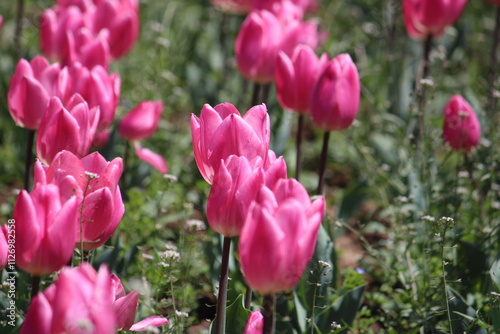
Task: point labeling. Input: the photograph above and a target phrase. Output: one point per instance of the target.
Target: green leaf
(236, 317)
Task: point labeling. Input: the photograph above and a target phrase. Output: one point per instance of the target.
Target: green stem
(421, 90)
(322, 163)
(298, 142)
(248, 298)
(492, 101)
(19, 28)
(220, 320)
(443, 264)
(126, 158)
(255, 94)
(35, 285)
(268, 314)
(29, 159)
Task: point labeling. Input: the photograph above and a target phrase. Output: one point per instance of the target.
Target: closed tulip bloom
(296, 77)
(45, 228)
(235, 186)
(121, 19)
(96, 187)
(71, 128)
(79, 301)
(335, 98)
(257, 46)
(279, 236)
(142, 121)
(4, 246)
(430, 17)
(221, 131)
(98, 89)
(30, 89)
(255, 323)
(461, 128)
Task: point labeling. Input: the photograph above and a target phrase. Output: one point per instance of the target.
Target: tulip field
(249, 166)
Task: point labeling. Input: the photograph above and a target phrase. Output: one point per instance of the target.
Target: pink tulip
(80, 300)
(70, 129)
(461, 128)
(296, 77)
(304, 5)
(98, 88)
(97, 190)
(221, 131)
(4, 246)
(279, 236)
(81, 46)
(255, 323)
(121, 19)
(142, 121)
(45, 227)
(265, 33)
(430, 17)
(335, 97)
(30, 89)
(1, 21)
(235, 185)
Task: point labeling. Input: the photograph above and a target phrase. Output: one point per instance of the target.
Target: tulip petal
(152, 321)
(152, 158)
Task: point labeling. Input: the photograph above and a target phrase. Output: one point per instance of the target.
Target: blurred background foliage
(396, 266)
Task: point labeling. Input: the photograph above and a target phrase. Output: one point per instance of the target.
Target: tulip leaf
(352, 200)
(458, 307)
(236, 317)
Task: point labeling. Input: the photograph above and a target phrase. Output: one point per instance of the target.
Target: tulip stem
(29, 158)
(255, 94)
(298, 142)
(421, 89)
(260, 93)
(492, 100)
(220, 320)
(248, 298)
(126, 158)
(35, 285)
(322, 162)
(19, 28)
(268, 314)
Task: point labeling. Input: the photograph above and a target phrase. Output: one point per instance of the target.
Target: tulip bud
(142, 121)
(255, 323)
(461, 128)
(235, 186)
(45, 226)
(221, 131)
(30, 89)
(430, 17)
(296, 77)
(279, 236)
(69, 129)
(335, 97)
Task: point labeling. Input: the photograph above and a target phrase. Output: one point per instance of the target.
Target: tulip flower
(142, 121)
(96, 187)
(30, 89)
(83, 300)
(235, 186)
(296, 77)
(255, 323)
(45, 226)
(152, 158)
(221, 131)
(430, 17)
(4, 246)
(79, 300)
(261, 37)
(279, 236)
(70, 129)
(98, 89)
(121, 19)
(335, 97)
(461, 128)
